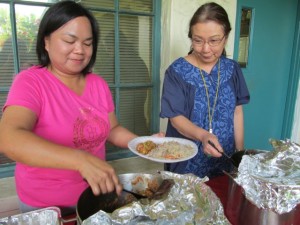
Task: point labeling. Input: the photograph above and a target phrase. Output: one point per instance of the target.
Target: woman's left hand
(160, 134)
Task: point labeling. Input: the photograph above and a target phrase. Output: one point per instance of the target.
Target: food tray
(46, 216)
(189, 201)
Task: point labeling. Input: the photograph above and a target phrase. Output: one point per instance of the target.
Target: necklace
(211, 112)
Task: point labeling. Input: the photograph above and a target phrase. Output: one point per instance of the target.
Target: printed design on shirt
(90, 130)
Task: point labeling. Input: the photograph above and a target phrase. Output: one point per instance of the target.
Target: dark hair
(55, 17)
(211, 12)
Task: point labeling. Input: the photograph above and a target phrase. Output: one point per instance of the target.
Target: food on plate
(167, 150)
(145, 147)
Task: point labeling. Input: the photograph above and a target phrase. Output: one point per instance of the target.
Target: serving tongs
(234, 162)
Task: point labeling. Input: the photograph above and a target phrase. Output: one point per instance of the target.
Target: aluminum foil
(271, 180)
(47, 216)
(189, 201)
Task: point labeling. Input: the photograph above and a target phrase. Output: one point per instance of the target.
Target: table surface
(219, 186)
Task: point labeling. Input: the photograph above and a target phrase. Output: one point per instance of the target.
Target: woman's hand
(160, 134)
(99, 174)
(208, 148)
(185, 127)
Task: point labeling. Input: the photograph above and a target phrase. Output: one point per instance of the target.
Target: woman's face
(70, 47)
(208, 41)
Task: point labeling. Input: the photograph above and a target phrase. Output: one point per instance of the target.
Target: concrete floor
(9, 199)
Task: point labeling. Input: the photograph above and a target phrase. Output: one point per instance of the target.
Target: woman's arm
(239, 127)
(119, 136)
(185, 127)
(19, 143)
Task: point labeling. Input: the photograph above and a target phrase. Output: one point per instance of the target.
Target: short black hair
(56, 16)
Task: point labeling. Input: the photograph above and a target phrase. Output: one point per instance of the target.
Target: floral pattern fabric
(184, 94)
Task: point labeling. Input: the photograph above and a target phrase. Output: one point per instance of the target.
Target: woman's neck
(207, 67)
(74, 82)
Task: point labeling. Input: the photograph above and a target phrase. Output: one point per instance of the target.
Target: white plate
(159, 140)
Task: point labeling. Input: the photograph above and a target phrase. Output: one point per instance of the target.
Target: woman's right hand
(208, 148)
(100, 175)
(185, 127)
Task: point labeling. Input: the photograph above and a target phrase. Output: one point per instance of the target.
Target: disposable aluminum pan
(46, 216)
(189, 201)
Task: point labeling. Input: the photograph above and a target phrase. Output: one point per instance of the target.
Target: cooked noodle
(171, 150)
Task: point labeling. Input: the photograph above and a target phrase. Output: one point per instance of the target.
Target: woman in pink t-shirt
(58, 115)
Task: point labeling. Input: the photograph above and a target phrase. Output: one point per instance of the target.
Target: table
(219, 186)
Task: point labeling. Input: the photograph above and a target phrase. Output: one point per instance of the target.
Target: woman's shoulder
(230, 66)
(179, 62)
(96, 81)
(180, 65)
(31, 70)
(93, 77)
(229, 62)
(34, 72)
(182, 71)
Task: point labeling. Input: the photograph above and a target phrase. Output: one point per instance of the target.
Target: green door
(268, 66)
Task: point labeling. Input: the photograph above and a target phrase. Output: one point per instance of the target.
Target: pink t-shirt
(80, 122)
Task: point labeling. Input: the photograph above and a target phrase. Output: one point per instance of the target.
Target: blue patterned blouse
(184, 94)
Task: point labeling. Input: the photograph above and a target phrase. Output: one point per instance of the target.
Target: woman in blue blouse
(203, 94)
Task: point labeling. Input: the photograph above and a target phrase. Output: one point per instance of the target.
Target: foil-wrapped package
(47, 216)
(189, 201)
(271, 180)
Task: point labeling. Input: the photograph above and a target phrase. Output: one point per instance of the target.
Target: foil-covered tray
(271, 180)
(46, 216)
(189, 201)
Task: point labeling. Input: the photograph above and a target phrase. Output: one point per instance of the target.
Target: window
(244, 42)
(127, 56)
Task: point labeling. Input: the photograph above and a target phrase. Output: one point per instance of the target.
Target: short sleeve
(177, 96)
(240, 86)
(100, 92)
(24, 92)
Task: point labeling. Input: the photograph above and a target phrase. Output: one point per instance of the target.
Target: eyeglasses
(212, 42)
